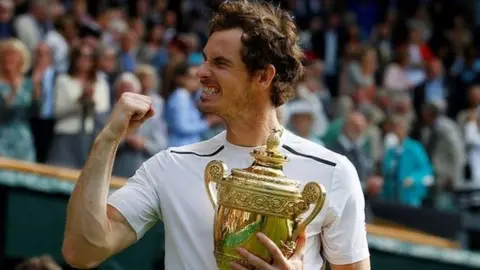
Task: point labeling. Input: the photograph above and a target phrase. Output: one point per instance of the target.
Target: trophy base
(224, 261)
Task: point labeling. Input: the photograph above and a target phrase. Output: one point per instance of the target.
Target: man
(434, 89)
(445, 147)
(252, 62)
(350, 144)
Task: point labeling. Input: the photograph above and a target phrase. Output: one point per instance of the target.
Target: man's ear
(265, 76)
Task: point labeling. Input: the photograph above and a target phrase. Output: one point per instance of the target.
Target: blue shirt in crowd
(184, 120)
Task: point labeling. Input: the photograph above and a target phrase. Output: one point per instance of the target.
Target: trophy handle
(312, 193)
(214, 172)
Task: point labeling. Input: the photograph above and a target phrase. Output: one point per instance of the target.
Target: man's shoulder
(207, 148)
(304, 148)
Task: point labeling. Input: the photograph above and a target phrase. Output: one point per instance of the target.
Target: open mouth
(209, 93)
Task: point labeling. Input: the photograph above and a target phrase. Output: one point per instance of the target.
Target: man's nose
(203, 71)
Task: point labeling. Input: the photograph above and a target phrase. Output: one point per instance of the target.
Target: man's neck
(252, 131)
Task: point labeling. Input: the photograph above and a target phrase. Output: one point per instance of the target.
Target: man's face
(356, 126)
(225, 79)
(302, 123)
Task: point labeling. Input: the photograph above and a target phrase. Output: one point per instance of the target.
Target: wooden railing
(62, 174)
(394, 232)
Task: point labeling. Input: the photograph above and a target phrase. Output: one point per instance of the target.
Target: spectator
(127, 54)
(149, 83)
(434, 90)
(18, 99)
(309, 90)
(136, 148)
(445, 147)
(360, 76)
(473, 103)
(406, 169)
(6, 26)
(35, 25)
(373, 134)
(60, 40)
(154, 51)
(465, 73)
(301, 119)
(350, 144)
(80, 95)
(396, 77)
(328, 45)
(184, 121)
(472, 140)
(343, 107)
(107, 68)
(43, 77)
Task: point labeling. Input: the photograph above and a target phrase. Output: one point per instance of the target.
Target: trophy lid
(269, 155)
(267, 168)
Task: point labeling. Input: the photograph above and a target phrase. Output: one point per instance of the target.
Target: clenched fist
(130, 111)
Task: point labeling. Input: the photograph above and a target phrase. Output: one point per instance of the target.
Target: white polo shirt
(170, 187)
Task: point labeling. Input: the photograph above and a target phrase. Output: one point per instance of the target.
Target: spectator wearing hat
(301, 118)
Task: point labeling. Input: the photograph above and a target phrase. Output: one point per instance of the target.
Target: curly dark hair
(270, 37)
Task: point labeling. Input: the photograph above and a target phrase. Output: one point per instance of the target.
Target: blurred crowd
(392, 85)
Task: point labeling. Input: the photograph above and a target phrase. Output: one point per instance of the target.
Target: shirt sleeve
(138, 200)
(344, 235)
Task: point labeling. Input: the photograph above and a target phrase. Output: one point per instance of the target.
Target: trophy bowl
(259, 198)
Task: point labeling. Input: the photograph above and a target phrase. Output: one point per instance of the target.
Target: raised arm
(94, 230)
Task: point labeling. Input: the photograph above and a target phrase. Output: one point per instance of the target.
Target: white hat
(300, 107)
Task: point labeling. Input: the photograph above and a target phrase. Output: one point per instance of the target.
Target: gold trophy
(259, 199)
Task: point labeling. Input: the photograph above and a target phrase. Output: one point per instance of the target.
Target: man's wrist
(107, 135)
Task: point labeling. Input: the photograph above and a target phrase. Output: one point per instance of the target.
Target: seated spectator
(18, 100)
(301, 117)
(406, 168)
(184, 120)
(309, 90)
(350, 144)
(143, 143)
(80, 95)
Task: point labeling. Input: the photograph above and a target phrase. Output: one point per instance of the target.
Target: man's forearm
(86, 234)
